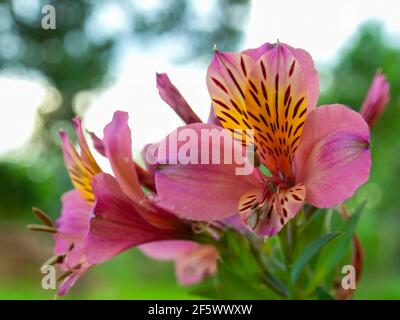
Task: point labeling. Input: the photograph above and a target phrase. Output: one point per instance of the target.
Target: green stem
(288, 240)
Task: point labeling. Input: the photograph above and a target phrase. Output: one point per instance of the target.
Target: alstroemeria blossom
(315, 155)
(104, 215)
(376, 99)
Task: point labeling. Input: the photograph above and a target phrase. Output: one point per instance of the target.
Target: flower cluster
(189, 204)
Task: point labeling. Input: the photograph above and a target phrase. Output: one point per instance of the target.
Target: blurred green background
(79, 56)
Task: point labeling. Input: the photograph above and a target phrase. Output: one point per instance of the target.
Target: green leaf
(331, 255)
(232, 286)
(243, 259)
(312, 229)
(310, 252)
(206, 289)
(287, 238)
(322, 294)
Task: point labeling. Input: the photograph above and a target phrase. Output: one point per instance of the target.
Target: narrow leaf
(334, 252)
(310, 252)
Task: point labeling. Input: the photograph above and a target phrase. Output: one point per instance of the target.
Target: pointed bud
(171, 95)
(376, 99)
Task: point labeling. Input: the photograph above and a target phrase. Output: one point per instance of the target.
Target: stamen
(253, 219)
(69, 272)
(271, 187)
(71, 247)
(264, 211)
(39, 227)
(255, 205)
(76, 267)
(57, 259)
(43, 217)
(65, 275)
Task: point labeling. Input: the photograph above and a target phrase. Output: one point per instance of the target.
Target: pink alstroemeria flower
(104, 215)
(376, 99)
(315, 155)
(182, 252)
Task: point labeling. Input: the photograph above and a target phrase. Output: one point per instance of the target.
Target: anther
(39, 227)
(71, 247)
(54, 260)
(271, 187)
(43, 217)
(253, 219)
(255, 205)
(65, 275)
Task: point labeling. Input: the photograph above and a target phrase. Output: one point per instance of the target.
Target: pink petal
(170, 94)
(68, 282)
(201, 191)
(149, 161)
(310, 74)
(196, 264)
(376, 99)
(146, 177)
(74, 219)
(271, 215)
(167, 250)
(118, 148)
(86, 154)
(276, 102)
(193, 261)
(212, 118)
(333, 158)
(117, 225)
(226, 81)
(98, 144)
(256, 53)
(71, 279)
(72, 226)
(81, 167)
(235, 222)
(283, 212)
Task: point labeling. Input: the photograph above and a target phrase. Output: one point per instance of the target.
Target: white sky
(320, 27)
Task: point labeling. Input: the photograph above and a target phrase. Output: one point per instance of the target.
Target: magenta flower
(376, 99)
(104, 215)
(314, 155)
